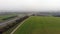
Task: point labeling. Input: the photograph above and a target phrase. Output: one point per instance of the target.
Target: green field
(5, 16)
(40, 25)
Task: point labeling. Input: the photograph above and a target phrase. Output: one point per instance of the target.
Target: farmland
(2, 17)
(40, 25)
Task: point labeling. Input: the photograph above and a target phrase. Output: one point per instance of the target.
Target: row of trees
(8, 26)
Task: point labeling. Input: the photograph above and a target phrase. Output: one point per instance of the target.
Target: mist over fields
(29, 16)
(30, 5)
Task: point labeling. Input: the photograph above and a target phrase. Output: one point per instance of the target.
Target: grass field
(40, 25)
(5, 16)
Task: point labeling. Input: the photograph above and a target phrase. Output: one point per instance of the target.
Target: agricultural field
(40, 25)
(2, 17)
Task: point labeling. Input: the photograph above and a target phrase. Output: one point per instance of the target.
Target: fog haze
(30, 5)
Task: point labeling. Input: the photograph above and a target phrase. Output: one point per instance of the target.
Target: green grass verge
(10, 30)
(40, 25)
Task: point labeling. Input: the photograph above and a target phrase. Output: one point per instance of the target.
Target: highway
(9, 21)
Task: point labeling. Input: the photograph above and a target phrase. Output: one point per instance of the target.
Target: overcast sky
(30, 5)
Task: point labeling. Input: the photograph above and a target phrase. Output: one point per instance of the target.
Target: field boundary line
(19, 25)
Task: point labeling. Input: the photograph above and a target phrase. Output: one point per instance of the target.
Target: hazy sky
(30, 5)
